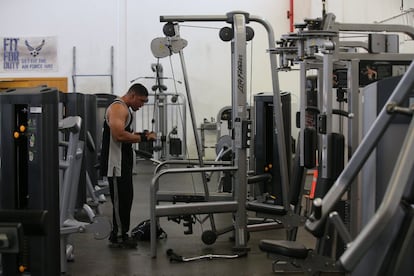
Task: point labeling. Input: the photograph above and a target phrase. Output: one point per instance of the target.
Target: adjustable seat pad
(266, 208)
(285, 248)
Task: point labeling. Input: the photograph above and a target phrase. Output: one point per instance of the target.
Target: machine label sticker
(240, 74)
(19, 54)
(32, 141)
(31, 156)
(36, 109)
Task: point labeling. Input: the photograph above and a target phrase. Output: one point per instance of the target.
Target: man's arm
(117, 116)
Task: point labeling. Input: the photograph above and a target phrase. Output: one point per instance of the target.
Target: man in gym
(117, 159)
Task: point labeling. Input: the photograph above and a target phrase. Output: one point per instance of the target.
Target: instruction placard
(28, 54)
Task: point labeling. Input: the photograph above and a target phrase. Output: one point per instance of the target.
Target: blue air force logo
(34, 51)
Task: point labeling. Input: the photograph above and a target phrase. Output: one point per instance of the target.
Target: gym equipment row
(71, 165)
(383, 245)
(348, 241)
(47, 158)
(30, 175)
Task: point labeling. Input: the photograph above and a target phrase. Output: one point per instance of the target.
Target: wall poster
(22, 54)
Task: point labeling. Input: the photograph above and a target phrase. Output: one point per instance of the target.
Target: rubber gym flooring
(95, 257)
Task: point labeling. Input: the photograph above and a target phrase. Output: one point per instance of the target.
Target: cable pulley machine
(238, 34)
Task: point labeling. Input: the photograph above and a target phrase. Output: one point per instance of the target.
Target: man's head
(137, 95)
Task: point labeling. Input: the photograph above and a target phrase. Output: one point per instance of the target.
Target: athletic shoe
(122, 242)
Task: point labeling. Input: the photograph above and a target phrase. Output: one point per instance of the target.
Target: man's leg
(126, 196)
(116, 222)
(122, 202)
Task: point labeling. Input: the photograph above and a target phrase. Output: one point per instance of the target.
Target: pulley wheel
(209, 237)
(226, 34)
(169, 29)
(223, 142)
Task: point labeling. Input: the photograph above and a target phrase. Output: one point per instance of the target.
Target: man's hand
(151, 135)
(147, 135)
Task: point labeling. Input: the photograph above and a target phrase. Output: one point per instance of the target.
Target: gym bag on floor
(142, 232)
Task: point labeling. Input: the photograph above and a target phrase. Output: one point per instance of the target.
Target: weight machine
(165, 114)
(30, 175)
(350, 246)
(70, 165)
(316, 46)
(238, 34)
(30, 143)
(383, 247)
(84, 106)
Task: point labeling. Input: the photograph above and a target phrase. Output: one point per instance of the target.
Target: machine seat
(266, 208)
(285, 248)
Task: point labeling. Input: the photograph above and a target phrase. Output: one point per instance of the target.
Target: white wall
(357, 11)
(94, 26)
(91, 26)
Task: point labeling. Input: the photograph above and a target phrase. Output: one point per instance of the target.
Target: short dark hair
(138, 89)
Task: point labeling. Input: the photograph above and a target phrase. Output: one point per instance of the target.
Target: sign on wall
(20, 54)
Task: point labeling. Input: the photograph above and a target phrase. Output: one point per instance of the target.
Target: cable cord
(197, 217)
(158, 85)
(182, 122)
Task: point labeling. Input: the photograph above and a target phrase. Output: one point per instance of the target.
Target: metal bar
(111, 75)
(196, 208)
(353, 44)
(74, 68)
(112, 69)
(171, 196)
(353, 141)
(70, 178)
(277, 113)
(405, 243)
(93, 75)
(184, 123)
(264, 226)
(327, 111)
(402, 13)
(340, 227)
(239, 115)
(190, 162)
(353, 104)
(153, 196)
(302, 114)
(195, 18)
(194, 124)
(190, 170)
(380, 57)
(408, 30)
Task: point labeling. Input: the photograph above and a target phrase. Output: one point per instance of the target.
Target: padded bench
(286, 248)
(266, 208)
(291, 256)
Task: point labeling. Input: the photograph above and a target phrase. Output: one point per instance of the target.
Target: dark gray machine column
(74, 105)
(265, 141)
(376, 179)
(85, 106)
(91, 154)
(377, 171)
(30, 173)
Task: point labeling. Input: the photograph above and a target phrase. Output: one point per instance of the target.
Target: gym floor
(94, 257)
